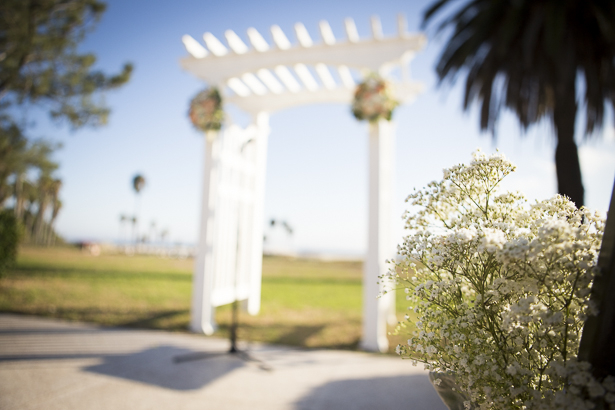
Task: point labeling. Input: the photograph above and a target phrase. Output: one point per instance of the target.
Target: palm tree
(163, 235)
(123, 220)
(45, 187)
(138, 183)
(30, 193)
(54, 190)
(152, 231)
(134, 228)
(19, 195)
(57, 206)
(527, 55)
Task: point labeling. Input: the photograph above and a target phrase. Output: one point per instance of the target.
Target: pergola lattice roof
(269, 77)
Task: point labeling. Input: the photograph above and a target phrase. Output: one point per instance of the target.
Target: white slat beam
(403, 92)
(376, 27)
(235, 43)
(214, 45)
(325, 76)
(258, 42)
(365, 55)
(351, 30)
(194, 47)
(238, 87)
(327, 34)
(255, 86)
(270, 81)
(402, 26)
(346, 77)
(306, 77)
(361, 54)
(279, 38)
(303, 36)
(287, 78)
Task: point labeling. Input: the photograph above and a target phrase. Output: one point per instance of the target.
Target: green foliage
(536, 47)
(40, 64)
(527, 55)
(9, 239)
(18, 156)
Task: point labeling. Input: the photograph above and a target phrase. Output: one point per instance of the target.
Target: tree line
(41, 66)
(28, 186)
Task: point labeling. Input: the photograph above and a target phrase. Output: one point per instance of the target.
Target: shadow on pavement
(400, 392)
(156, 366)
(49, 331)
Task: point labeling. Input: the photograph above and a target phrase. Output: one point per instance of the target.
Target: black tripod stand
(233, 351)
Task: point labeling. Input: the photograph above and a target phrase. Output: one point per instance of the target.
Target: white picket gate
(229, 261)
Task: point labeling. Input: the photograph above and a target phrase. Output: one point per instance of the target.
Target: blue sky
(317, 158)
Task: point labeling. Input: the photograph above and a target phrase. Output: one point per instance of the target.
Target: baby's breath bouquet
(500, 290)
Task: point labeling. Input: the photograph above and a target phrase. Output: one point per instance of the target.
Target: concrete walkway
(50, 364)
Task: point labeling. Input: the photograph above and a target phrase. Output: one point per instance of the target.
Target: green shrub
(9, 239)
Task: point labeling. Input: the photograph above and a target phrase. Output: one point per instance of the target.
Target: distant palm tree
(284, 225)
(527, 55)
(138, 183)
(30, 193)
(163, 235)
(134, 228)
(57, 206)
(123, 220)
(19, 195)
(47, 187)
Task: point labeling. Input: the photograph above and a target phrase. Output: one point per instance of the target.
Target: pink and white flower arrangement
(206, 113)
(373, 100)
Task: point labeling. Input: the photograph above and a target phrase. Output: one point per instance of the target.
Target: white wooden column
(262, 136)
(378, 311)
(202, 318)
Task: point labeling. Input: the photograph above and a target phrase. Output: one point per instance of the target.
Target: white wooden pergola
(264, 78)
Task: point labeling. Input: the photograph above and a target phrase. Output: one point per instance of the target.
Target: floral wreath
(206, 111)
(373, 100)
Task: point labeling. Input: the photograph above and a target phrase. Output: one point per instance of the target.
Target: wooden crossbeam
(216, 63)
(403, 92)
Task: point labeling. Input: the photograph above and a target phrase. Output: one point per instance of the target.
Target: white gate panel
(229, 262)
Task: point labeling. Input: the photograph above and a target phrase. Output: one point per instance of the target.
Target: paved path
(50, 364)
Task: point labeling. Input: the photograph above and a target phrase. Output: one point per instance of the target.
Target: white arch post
(378, 311)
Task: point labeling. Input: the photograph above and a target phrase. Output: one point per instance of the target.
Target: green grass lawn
(305, 302)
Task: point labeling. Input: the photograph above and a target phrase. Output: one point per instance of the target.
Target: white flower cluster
(500, 289)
